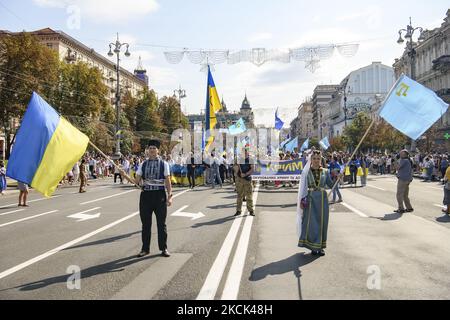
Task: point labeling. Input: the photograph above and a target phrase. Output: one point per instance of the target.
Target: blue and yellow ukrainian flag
(213, 106)
(46, 147)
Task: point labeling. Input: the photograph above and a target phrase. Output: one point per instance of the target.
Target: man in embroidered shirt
(153, 175)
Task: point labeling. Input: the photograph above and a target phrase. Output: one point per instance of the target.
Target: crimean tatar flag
(213, 106)
(412, 108)
(46, 147)
(237, 128)
(325, 143)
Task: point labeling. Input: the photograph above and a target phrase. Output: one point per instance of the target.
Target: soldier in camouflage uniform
(244, 185)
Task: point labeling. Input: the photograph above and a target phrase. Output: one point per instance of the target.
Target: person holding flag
(412, 109)
(336, 172)
(153, 175)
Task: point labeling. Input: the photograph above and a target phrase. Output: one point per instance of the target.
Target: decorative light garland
(312, 56)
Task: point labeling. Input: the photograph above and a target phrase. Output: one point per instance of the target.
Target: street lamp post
(345, 103)
(181, 95)
(117, 49)
(411, 51)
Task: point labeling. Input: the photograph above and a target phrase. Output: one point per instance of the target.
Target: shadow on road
(291, 264)
(389, 217)
(113, 266)
(277, 205)
(223, 206)
(104, 241)
(280, 189)
(445, 219)
(213, 222)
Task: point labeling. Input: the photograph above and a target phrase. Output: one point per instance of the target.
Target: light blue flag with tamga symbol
(237, 128)
(292, 145)
(412, 108)
(324, 143)
(305, 145)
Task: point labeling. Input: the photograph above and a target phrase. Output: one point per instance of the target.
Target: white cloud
(372, 17)
(106, 10)
(260, 37)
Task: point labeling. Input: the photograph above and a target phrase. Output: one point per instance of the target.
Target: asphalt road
(372, 253)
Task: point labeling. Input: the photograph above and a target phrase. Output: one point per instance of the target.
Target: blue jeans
(336, 191)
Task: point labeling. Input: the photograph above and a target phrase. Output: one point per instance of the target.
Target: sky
(155, 26)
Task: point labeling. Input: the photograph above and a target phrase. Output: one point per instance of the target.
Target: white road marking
(368, 185)
(193, 216)
(91, 189)
(209, 288)
(108, 197)
(233, 282)
(81, 216)
(28, 218)
(67, 245)
(6, 213)
(212, 282)
(354, 210)
(29, 201)
(437, 188)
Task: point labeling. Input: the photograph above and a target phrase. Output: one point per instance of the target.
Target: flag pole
(354, 152)
(114, 164)
(370, 127)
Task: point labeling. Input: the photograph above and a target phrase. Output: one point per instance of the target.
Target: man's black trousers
(153, 201)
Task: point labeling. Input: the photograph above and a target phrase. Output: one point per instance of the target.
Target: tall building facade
(322, 96)
(71, 50)
(432, 66)
(362, 90)
(305, 120)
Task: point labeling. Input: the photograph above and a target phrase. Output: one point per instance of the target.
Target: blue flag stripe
(38, 126)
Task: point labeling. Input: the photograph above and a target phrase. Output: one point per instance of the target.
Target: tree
(129, 105)
(434, 140)
(337, 144)
(171, 115)
(314, 142)
(381, 137)
(147, 116)
(386, 137)
(354, 132)
(24, 63)
(81, 91)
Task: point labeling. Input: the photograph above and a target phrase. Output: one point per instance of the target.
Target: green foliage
(314, 142)
(381, 137)
(21, 57)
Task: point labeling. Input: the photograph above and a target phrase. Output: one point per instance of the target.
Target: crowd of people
(215, 169)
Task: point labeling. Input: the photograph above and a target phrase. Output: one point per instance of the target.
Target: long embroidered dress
(316, 215)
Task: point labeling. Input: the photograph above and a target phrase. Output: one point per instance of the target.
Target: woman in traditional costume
(313, 209)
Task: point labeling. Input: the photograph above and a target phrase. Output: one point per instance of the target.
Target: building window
(49, 45)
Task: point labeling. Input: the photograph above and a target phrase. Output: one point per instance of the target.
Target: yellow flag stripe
(64, 149)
